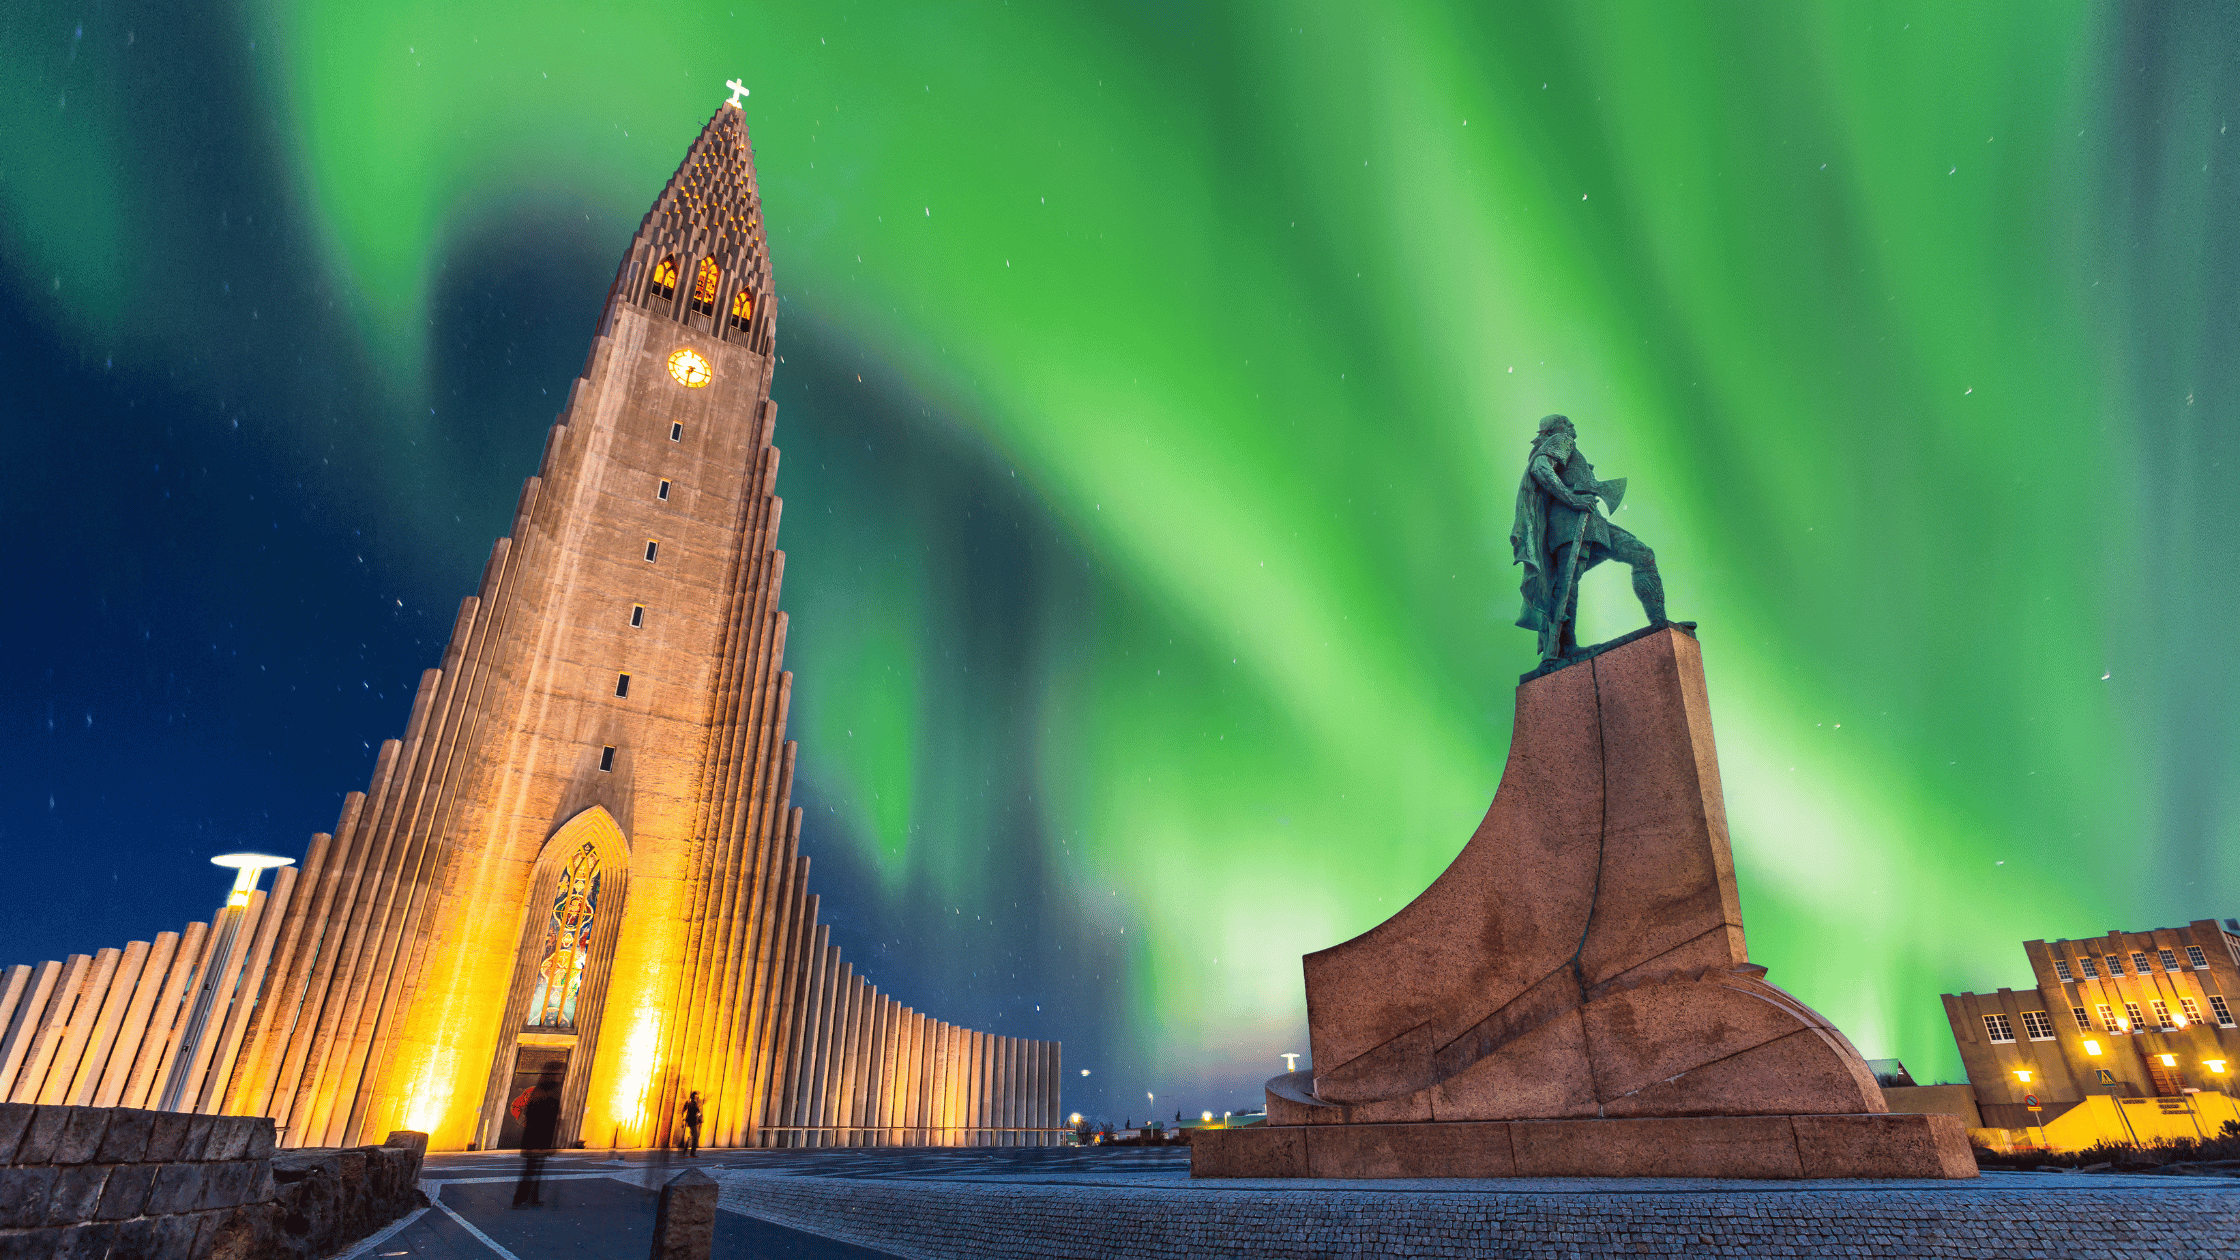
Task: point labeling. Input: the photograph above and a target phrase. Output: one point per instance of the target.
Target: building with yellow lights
(2127, 1038)
(582, 854)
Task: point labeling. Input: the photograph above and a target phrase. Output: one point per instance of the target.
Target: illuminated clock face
(690, 369)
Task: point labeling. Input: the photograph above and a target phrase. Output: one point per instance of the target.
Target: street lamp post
(188, 1061)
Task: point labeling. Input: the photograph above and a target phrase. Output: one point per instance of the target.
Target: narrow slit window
(742, 308)
(652, 549)
(606, 758)
(622, 684)
(663, 492)
(676, 431)
(704, 287)
(637, 615)
(664, 284)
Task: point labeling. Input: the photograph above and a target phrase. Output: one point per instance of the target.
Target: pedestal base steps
(1930, 1146)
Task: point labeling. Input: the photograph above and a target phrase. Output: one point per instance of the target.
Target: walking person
(692, 1125)
(538, 1109)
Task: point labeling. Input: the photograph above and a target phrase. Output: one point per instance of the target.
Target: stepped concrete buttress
(1572, 996)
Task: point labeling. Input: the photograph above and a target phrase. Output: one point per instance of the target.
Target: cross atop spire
(738, 90)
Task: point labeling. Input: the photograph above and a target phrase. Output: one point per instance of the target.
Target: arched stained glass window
(704, 287)
(742, 308)
(665, 278)
(567, 942)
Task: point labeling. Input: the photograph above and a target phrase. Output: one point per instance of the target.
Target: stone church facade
(582, 851)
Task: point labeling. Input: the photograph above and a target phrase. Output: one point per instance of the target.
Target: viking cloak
(1543, 524)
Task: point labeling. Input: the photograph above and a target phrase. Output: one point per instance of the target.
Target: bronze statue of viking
(1558, 536)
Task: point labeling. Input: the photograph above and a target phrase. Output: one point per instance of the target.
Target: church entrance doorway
(530, 1063)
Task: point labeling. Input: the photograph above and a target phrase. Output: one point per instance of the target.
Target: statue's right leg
(1648, 584)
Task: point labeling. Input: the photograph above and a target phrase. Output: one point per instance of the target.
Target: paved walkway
(878, 1204)
(593, 1207)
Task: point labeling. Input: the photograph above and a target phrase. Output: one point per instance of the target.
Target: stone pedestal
(1573, 992)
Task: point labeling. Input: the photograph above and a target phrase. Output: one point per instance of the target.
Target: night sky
(1157, 379)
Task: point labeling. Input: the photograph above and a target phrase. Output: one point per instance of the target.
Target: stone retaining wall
(938, 1221)
(116, 1183)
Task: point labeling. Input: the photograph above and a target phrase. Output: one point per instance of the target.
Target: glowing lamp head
(2214, 1065)
(2091, 1047)
(2023, 1075)
(1206, 1116)
(2168, 1060)
(1075, 1118)
(246, 867)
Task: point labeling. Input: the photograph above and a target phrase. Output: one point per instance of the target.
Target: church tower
(582, 852)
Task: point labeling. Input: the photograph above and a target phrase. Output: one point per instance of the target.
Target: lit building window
(664, 284)
(2199, 960)
(742, 309)
(1999, 1027)
(2169, 959)
(2108, 1018)
(2061, 968)
(2137, 1020)
(2083, 1021)
(2115, 965)
(2161, 1013)
(2223, 1012)
(567, 943)
(704, 287)
(2190, 1009)
(2090, 972)
(2037, 1025)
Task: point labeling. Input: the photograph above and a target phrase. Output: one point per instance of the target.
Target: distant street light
(187, 1062)
(1290, 1061)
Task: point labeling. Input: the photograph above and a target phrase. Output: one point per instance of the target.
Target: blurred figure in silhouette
(692, 1125)
(538, 1110)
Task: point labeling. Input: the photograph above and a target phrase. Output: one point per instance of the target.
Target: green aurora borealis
(1912, 325)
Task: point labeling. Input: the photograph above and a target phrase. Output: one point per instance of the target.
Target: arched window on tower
(704, 287)
(665, 279)
(742, 308)
(567, 942)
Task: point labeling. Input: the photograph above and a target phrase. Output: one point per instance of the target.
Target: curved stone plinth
(1582, 958)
